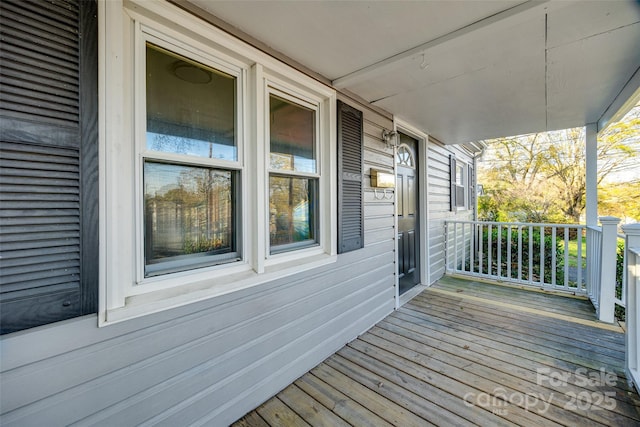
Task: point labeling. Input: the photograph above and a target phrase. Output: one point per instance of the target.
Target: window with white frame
(201, 197)
(460, 181)
(293, 173)
(190, 169)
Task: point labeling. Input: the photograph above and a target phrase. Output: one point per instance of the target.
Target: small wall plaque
(380, 179)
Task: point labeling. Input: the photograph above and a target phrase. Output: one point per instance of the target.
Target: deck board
(454, 356)
(474, 316)
(535, 298)
(339, 403)
(275, 412)
(310, 409)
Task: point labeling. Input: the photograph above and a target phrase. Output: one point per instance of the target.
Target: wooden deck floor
(468, 353)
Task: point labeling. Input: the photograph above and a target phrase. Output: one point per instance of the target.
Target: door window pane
(292, 211)
(189, 217)
(191, 108)
(292, 136)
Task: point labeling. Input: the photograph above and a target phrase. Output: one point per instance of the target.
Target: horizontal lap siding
(439, 207)
(220, 361)
(210, 361)
(379, 211)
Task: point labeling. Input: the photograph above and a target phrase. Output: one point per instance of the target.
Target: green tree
(542, 177)
(621, 200)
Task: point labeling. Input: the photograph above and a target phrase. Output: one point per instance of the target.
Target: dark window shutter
(350, 155)
(48, 161)
(452, 183)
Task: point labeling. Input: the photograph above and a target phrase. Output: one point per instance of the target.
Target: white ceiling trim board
(492, 22)
(628, 97)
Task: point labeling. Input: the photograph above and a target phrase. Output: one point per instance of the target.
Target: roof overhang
(460, 70)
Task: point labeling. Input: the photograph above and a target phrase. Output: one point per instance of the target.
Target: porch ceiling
(462, 70)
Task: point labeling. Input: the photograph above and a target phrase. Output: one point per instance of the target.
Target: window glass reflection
(190, 107)
(292, 136)
(291, 210)
(189, 215)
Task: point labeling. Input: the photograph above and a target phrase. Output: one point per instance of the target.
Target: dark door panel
(408, 213)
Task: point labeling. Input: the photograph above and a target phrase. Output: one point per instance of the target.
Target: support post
(591, 208)
(607, 302)
(591, 147)
(632, 303)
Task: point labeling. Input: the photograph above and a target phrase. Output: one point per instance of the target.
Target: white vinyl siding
(438, 170)
(211, 361)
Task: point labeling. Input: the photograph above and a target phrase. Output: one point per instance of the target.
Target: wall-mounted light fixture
(389, 137)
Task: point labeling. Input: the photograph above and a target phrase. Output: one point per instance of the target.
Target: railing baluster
(480, 249)
(554, 265)
(542, 257)
(579, 242)
(509, 228)
(472, 249)
(463, 267)
(455, 247)
(499, 243)
(530, 254)
(519, 253)
(566, 257)
(489, 250)
(446, 247)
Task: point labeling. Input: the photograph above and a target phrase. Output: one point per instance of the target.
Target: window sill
(166, 299)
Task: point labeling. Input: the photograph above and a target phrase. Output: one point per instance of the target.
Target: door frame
(422, 156)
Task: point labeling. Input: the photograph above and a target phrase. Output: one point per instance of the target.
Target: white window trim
(143, 35)
(465, 184)
(273, 87)
(123, 29)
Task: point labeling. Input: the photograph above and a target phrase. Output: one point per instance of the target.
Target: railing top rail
(516, 224)
(634, 250)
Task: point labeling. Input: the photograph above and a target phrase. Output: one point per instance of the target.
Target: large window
(189, 200)
(218, 169)
(293, 177)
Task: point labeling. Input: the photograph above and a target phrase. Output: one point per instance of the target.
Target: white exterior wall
(211, 361)
(438, 201)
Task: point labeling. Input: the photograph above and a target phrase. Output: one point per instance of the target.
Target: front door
(408, 233)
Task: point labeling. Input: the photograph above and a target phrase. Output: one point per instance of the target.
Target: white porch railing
(594, 267)
(523, 253)
(602, 247)
(565, 257)
(632, 315)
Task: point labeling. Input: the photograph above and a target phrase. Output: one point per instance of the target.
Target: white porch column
(632, 315)
(591, 147)
(606, 305)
